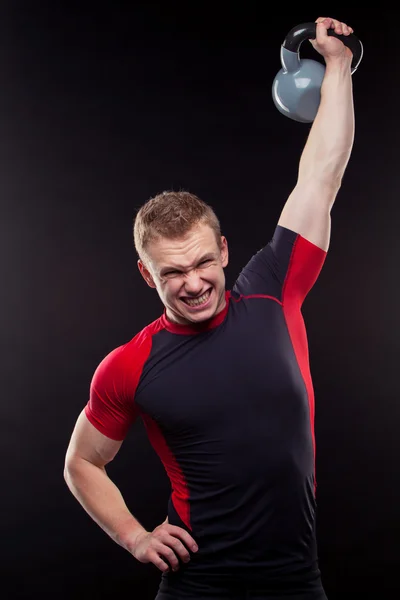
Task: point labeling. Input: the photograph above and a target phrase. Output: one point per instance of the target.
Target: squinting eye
(174, 273)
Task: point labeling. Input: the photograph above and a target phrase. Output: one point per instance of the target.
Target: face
(188, 275)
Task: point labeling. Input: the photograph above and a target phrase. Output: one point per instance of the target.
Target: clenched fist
(331, 47)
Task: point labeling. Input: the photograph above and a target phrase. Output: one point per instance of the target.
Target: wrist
(128, 534)
(132, 542)
(338, 64)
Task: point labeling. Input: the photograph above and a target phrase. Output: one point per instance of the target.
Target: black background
(103, 106)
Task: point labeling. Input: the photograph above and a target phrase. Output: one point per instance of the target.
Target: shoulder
(130, 354)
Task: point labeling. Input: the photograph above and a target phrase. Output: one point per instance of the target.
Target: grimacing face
(188, 274)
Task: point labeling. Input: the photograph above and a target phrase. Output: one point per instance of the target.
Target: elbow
(76, 467)
(71, 468)
(67, 473)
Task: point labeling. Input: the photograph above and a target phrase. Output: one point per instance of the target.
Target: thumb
(322, 28)
(321, 31)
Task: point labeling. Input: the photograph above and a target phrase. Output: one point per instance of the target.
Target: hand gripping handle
(308, 31)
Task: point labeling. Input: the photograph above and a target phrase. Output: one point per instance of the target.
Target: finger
(323, 24)
(178, 548)
(183, 535)
(337, 26)
(330, 23)
(158, 562)
(167, 553)
(346, 29)
(317, 21)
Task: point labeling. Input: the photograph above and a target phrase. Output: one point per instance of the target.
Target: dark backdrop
(103, 106)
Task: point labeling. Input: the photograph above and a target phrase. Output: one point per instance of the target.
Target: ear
(224, 251)
(146, 274)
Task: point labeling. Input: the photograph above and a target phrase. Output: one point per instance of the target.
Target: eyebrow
(208, 256)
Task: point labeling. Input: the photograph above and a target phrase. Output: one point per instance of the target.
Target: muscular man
(222, 382)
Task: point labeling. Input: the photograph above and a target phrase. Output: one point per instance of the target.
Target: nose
(193, 283)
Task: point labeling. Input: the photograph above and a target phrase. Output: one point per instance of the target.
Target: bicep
(307, 211)
(87, 443)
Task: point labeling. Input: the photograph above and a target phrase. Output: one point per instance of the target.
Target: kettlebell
(296, 89)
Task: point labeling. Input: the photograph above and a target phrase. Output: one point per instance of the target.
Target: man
(223, 385)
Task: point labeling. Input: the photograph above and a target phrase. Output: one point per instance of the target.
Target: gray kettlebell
(296, 89)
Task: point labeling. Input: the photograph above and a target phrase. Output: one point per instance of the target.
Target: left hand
(328, 46)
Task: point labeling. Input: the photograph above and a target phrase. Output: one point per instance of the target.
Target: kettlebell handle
(308, 31)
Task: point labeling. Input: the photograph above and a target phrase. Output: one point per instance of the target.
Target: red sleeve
(111, 406)
(286, 268)
(305, 265)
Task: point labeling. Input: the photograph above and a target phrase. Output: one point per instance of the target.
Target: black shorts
(189, 589)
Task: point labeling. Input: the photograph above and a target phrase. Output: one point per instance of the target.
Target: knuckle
(169, 554)
(154, 558)
(149, 554)
(158, 533)
(182, 551)
(155, 547)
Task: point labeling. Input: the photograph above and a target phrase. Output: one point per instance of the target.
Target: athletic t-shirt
(228, 406)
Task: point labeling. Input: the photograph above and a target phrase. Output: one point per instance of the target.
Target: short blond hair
(171, 215)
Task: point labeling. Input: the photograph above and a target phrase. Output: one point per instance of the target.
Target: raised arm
(329, 144)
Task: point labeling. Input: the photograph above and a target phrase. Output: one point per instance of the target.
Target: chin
(204, 317)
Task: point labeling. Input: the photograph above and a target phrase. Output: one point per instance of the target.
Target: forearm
(103, 501)
(330, 141)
